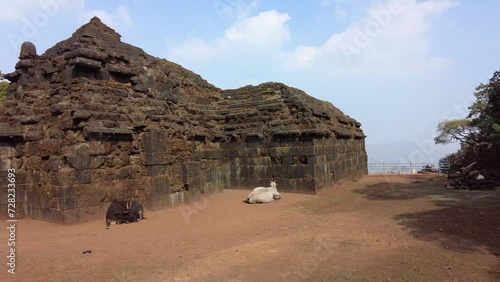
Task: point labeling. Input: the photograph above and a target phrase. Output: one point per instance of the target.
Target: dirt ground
(381, 228)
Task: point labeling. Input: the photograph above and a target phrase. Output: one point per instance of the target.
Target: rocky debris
(478, 169)
(28, 51)
(94, 118)
(474, 177)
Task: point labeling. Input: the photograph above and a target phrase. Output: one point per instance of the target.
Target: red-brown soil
(384, 228)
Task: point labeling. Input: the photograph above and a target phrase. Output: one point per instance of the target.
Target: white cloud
(339, 12)
(303, 57)
(197, 48)
(234, 9)
(393, 38)
(388, 40)
(112, 19)
(124, 15)
(266, 31)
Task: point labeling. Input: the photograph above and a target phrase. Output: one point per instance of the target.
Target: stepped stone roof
(94, 82)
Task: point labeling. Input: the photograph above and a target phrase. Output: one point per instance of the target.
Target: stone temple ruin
(94, 119)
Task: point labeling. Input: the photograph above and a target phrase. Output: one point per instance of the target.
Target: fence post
(411, 171)
(383, 167)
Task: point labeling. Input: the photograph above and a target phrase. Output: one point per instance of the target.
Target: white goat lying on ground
(261, 195)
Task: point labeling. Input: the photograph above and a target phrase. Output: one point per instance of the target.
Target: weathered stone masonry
(94, 119)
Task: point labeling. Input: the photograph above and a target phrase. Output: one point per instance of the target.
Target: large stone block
(97, 162)
(153, 159)
(129, 172)
(100, 147)
(214, 154)
(78, 215)
(298, 171)
(84, 62)
(43, 148)
(104, 133)
(154, 142)
(81, 114)
(170, 200)
(66, 200)
(263, 171)
(80, 158)
(88, 195)
(161, 186)
(83, 176)
(253, 152)
(278, 171)
(156, 170)
(235, 153)
(263, 161)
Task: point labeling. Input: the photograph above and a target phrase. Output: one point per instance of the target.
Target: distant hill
(404, 151)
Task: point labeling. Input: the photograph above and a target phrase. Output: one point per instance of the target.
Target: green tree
(455, 130)
(493, 108)
(3, 90)
(446, 161)
(482, 124)
(4, 84)
(485, 111)
(453, 157)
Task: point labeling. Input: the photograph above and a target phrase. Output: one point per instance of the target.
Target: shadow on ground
(460, 220)
(460, 225)
(405, 190)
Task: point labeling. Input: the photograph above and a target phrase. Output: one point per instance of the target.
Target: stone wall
(299, 164)
(93, 119)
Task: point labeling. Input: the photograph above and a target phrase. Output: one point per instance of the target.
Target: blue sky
(397, 66)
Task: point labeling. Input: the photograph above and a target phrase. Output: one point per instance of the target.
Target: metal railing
(406, 168)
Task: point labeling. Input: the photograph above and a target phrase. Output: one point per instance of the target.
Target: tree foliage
(493, 108)
(3, 89)
(482, 124)
(454, 130)
(453, 157)
(4, 84)
(485, 112)
(446, 161)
